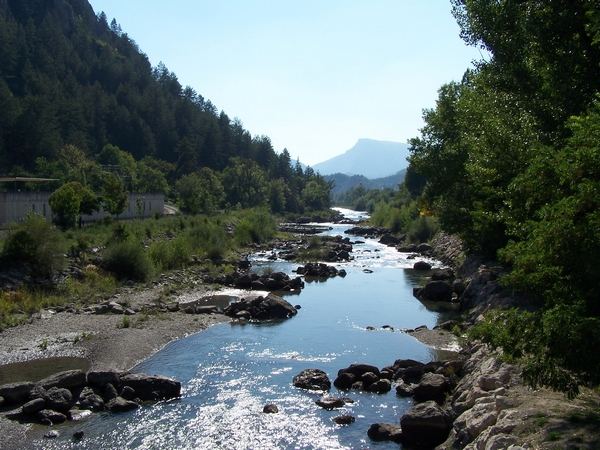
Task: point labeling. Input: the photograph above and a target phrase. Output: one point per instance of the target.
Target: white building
(14, 206)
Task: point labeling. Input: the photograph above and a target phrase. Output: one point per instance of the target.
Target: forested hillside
(69, 79)
(343, 183)
(511, 159)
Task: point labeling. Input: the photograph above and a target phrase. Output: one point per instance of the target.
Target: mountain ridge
(370, 158)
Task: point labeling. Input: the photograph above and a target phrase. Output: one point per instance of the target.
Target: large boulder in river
(380, 386)
(69, 379)
(435, 291)
(421, 265)
(16, 392)
(359, 369)
(390, 240)
(262, 308)
(148, 387)
(119, 404)
(442, 274)
(59, 399)
(317, 270)
(101, 378)
(385, 432)
(433, 386)
(312, 379)
(344, 381)
(425, 425)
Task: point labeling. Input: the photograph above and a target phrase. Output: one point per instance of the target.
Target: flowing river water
(229, 372)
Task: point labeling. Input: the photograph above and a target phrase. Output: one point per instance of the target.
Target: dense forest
(510, 156)
(80, 102)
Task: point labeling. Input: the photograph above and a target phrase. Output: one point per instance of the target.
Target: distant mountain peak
(371, 158)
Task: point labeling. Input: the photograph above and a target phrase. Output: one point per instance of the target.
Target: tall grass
(171, 254)
(209, 237)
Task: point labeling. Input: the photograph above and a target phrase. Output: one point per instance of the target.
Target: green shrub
(256, 226)
(172, 254)
(128, 260)
(422, 229)
(35, 246)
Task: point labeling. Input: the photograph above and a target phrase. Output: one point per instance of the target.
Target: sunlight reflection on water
(229, 373)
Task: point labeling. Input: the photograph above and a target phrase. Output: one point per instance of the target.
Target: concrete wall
(14, 206)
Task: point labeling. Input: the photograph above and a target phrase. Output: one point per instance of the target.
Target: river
(229, 372)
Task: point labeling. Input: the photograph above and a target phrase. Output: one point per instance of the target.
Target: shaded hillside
(369, 158)
(67, 77)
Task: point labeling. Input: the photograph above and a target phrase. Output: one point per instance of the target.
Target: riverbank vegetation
(509, 160)
(56, 267)
(510, 155)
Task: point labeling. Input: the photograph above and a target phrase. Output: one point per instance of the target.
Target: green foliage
(71, 200)
(82, 103)
(245, 184)
(361, 199)
(510, 156)
(128, 260)
(422, 229)
(315, 194)
(200, 192)
(170, 254)
(35, 246)
(209, 237)
(256, 226)
(150, 180)
(114, 195)
(66, 203)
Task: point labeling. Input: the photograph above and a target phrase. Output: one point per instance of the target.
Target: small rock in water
(344, 420)
(330, 402)
(78, 435)
(312, 379)
(370, 328)
(298, 306)
(388, 327)
(385, 432)
(52, 434)
(367, 271)
(270, 409)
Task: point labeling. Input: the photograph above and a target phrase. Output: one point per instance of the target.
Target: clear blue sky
(313, 75)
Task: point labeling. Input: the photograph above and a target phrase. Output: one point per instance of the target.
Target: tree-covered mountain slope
(69, 78)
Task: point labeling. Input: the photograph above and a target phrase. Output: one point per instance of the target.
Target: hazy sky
(313, 75)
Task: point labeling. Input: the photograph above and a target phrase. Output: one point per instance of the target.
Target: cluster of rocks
(442, 287)
(364, 377)
(276, 281)
(73, 394)
(427, 424)
(320, 270)
(366, 231)
(331, 216)
(337, 248)
(299, 228)
(271, 307)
